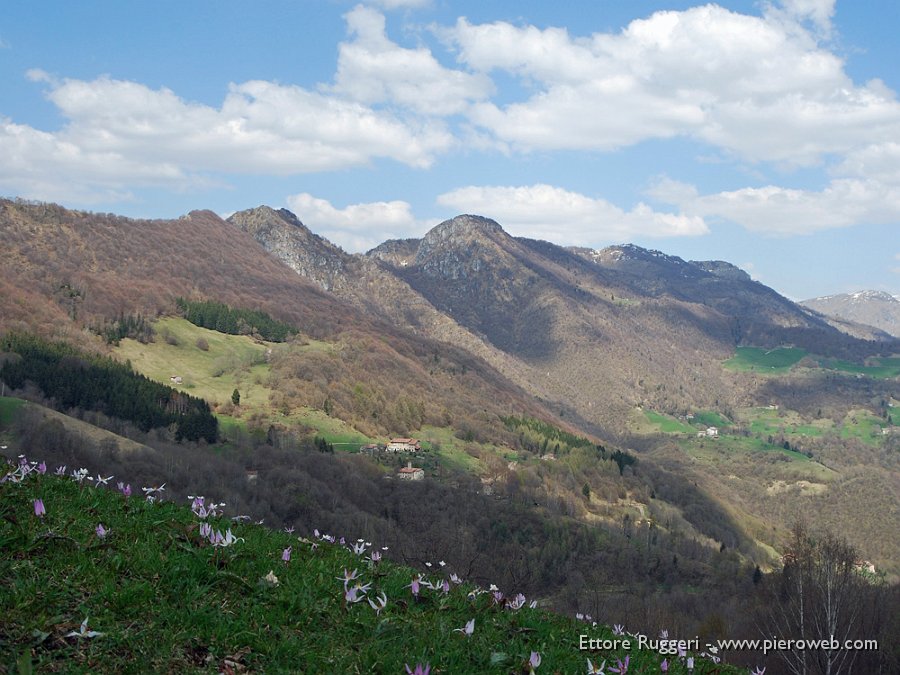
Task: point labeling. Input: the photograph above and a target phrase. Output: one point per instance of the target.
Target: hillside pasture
(769, 361)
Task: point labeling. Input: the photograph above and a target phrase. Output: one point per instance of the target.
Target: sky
(766, 134)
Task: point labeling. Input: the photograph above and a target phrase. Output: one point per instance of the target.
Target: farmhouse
(403, 445)
(410, 472)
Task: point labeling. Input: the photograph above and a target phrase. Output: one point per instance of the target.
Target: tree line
(75, 379)
(234, 321)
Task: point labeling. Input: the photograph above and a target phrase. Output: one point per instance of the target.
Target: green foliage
(162, 599)
(236, 397)
(759, 359)
(133, 326)
(220, 317)
(74, 379)
(539, 436)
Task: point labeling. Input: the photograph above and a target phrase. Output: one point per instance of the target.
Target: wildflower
(534, 661)
(533, 604)
(84, 632)
(348, 577)
(60, 470)
(758, 671)
(231, 539)
(289, 530)
(663, 635)
(78, 475)
(518, 603)
(420, 669)
(428, 564)
(375, 557)
(414, 587)
(42, 468)
(445, 587)
(356, 593)
(690, 663)
(380, 605)
(39, 509)
(101, 531)
(99, 480)
(358, 548)
(498, 597)
(270, 578)
(595, 670)
(286, 554)
(442, 563)
(621, 667)
(260, 521)
(455, 579)
(618, 629)
(124, 489)
(205, 529)
(664, 666)
(468, 629)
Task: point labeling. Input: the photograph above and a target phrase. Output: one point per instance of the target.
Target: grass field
(231, 362)
(760, 360)
(667, 424)
(710, 418)
(8, 408)
(887, 367)
(863, 425)
(151, 594)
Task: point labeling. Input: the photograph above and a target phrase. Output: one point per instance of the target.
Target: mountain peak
(462, 227)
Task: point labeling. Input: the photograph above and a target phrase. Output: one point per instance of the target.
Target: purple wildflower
(42, 468)
(286, 554)
(534, 661)
(101, 531)
(664, 666)
(39, 509)
(595, 670)
(468, 629)
(420, 669)
(380, 604)
(621, 667)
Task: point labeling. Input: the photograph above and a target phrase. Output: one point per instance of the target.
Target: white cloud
(762, 88)
(565, 217)
(373, 69)
(780, 211)
(357, 227)
(121, 133)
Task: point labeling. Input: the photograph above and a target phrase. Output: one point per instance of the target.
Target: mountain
(71, 270)
(871, 308)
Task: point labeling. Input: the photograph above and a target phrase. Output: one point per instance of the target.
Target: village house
(711, 432)
(410, 472)
(403, 445)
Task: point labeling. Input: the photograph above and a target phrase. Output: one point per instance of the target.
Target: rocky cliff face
(283, 235)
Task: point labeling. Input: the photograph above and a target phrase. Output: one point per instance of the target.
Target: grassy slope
(165, 600)
(10, 407)
(232, 356)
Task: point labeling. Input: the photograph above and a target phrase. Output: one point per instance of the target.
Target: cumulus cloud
(124, 133)
(761, 88)
(780, 211)
(565, 217)
(373, 69)
(356, 227)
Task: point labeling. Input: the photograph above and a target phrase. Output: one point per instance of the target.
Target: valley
(608, 430)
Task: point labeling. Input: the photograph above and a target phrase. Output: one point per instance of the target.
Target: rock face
(282, 234)
(872, 308)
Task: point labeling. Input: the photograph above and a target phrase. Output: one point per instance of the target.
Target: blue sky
(766, 134)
